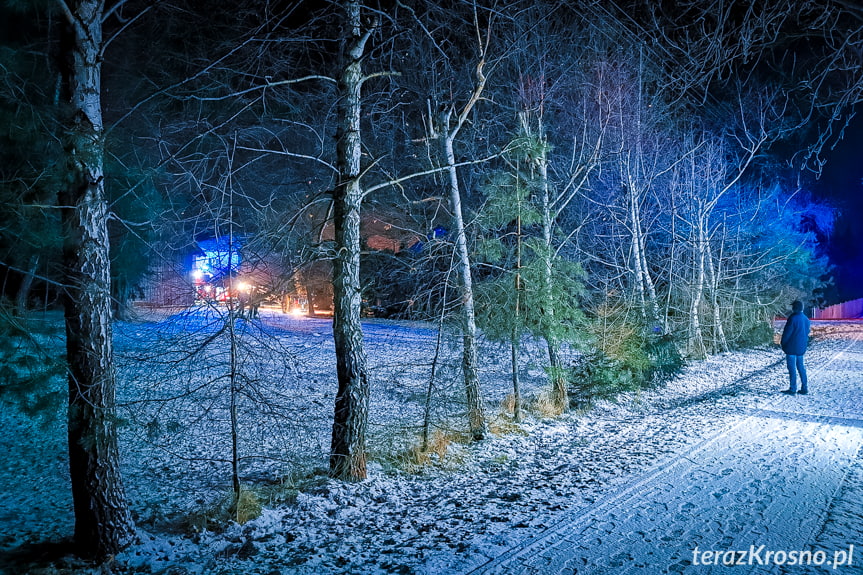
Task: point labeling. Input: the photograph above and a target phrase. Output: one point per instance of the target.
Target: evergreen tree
(539, 290)
(30, 158)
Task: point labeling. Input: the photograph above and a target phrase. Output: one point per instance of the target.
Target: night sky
(842, 184)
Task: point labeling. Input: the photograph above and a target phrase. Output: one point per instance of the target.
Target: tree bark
(233, 378)
(696, 337)
(643, 280)
(103, 524)
(515, 341)
(23, 296)
(348, 451)
(720, 341)
(475, 411)
(450, 130)
(559, 392)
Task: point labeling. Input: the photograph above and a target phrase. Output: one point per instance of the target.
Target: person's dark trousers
(795, 366)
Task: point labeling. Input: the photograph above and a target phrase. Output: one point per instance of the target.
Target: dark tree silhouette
(103, 524)
(348, 457)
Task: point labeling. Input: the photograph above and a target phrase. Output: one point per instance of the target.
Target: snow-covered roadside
(398, 523)
(761, 486)
(483, 498)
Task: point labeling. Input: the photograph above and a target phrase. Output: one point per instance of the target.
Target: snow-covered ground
(716, 460)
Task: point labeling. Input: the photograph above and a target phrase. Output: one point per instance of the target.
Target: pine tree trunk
(348, 451)
(103, 524)
(515, 340)
(514, 349)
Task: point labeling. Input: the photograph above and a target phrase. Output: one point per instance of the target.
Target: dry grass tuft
(507, 404)
(248, 507)
(218, 514)
(505, 425)
(439, 452)
(440, 441)
(545, 406)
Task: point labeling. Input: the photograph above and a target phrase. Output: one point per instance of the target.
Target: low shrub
(664, 358)
(637, 360)
(596, 376)
(755, 335)
(218, 514)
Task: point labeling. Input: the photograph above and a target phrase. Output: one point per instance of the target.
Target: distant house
(167, 283)
(222, 269)
(211, 269)
(215, 266)
(386, 235)
(380, 232)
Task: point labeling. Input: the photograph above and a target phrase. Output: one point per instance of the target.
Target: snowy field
(717, 460)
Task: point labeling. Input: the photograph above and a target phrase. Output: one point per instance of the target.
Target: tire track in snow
(768, 478)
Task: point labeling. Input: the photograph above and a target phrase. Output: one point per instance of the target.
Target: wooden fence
(846, 310)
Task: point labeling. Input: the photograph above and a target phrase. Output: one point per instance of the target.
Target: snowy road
(715, 461)
(763, 487)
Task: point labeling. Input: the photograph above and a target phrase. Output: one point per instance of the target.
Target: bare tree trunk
(696, 337)
(24, 289)
(476, 415)
(432, 376)
(671, 272)
(434, 365)
(348, 451)
(233, 375)
(450, 129)
(234, 391)
(643, 281)
(721, 342)
(310, 300)
(635, 268)
(103, 524)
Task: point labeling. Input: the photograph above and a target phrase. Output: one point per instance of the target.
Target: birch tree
(451, 123)
(452, 102)
(713, 170)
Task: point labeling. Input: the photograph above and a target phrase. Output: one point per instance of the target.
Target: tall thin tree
(451, 124)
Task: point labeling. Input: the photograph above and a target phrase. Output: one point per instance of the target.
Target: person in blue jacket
(795, 339)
